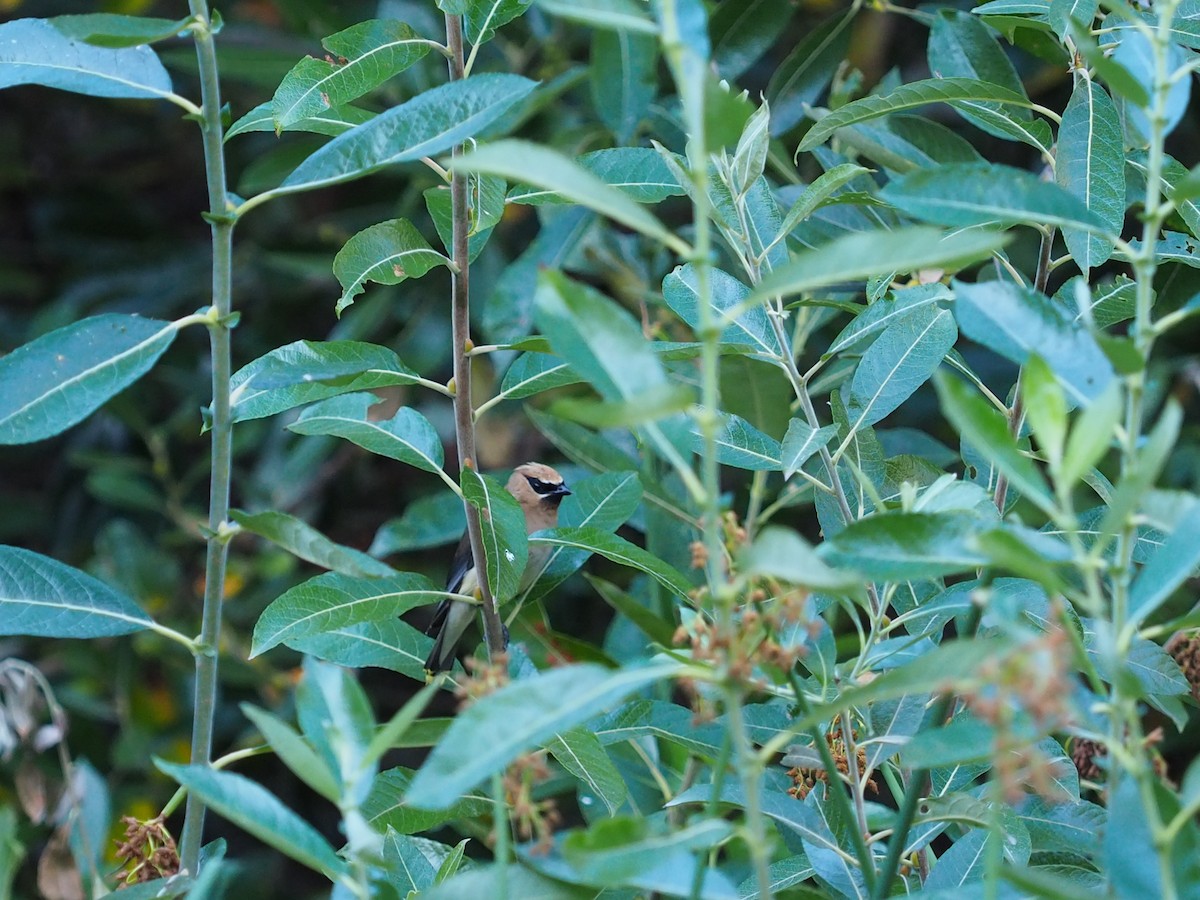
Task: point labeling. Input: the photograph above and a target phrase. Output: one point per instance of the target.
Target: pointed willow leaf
(986, 429)
(307, 371)
(858, 256)
(807, 70)
(1169, 568)
(881, 314)
(547, 169)
(618, 550)
(1015, 321)
(385, 643)
(331, 122)
(483, 17)
(906, 97)
(114, 30)
(1090, 163)
(638, 172)
(897, 546)
(363, 57)
(532, 373)
(386, 807)
(430, 123)
(60, 378)
(982, 194)
(386, 253)
(331, 601)
(617, 15)
(41, 596)
(252, 807)
(681, 290)
(580, 752)
(488, 735)
(408, 436)
(306, 542)
(34, 51)
(741, 445)
(898, 362)
(624, 79)
(504, 535)
(781, 553)
(294, 752)
(801, 442)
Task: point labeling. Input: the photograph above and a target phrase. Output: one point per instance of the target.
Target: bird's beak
(561, 491)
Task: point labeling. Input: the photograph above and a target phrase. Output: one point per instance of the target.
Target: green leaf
(740, 444)
(35, 51)
(681, 290)
(902, 545)
(253, 808)
(43, 597)
(815, 195)
(504, 534)
(880, 315)
(331, 122)
(906, 97)
(807, 70)
(430, 123)
(623, 76)
(801, 442)
(581, 753)
(407, 436)
(485, 206)
(408, 870)
(429, 521)
(616, 15)
(517, 880)
(483, 17)
(1015, 321)
(743, 32)
(618, 550)
(986, 194)
(386, 643)
(1092, 435)
(532, 373)
(1090, 163)
(113, 30)
(1045, 408)
(781, 553)
(986, 429)
(637, 172)
(306, 371)
(331, 601)
(60, 378)
(652, 626)
(857, 256)
(488, 735)
(294, 752)
(363, 56)
(387, 807)
(898, 362)
(304, 541)
(1168, 569)
(547, 169)
(387, 253)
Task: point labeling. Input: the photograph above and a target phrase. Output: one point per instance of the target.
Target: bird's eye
(542, 487)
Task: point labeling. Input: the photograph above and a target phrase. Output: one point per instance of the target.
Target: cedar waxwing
(539, 489)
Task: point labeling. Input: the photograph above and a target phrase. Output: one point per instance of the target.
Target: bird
(539, 489)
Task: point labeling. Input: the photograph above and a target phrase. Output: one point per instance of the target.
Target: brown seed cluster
(1184, 647)
(764, 609)
(1084, 754)
(483, 678)
(529, 817)
(804, 780)
(148, 851)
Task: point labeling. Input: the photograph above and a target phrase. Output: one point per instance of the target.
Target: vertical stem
(503, 839)
(222, 428)
(464, 415)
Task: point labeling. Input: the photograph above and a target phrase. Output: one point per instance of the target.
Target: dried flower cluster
(531, 818)
(483, 678)
(1185, 648)
(765, 609)
(148, 851)
(805, 779)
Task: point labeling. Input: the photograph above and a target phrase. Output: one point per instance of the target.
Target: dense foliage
(860, 335)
